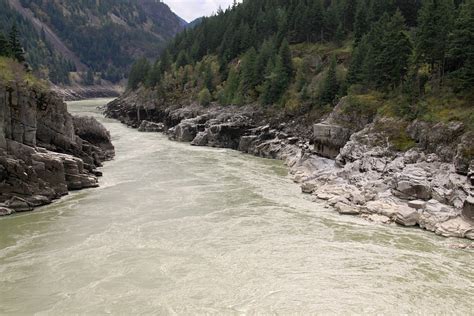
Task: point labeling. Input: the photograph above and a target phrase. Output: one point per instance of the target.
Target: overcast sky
(192, 9)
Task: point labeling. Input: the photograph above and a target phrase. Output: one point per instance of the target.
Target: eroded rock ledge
(353, 168)
(44, 151)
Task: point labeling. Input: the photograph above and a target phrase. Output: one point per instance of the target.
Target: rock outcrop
(44, 151)
(425, 186)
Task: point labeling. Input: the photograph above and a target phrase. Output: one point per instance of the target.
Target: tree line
(243, 54)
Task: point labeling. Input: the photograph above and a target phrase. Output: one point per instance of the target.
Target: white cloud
(192, 9)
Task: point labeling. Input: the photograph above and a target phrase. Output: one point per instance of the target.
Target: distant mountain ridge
(102, 37)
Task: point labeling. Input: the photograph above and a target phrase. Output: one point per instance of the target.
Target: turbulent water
(176, 229)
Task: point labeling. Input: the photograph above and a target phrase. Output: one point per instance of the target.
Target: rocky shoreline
(355, 170)
(45, 152)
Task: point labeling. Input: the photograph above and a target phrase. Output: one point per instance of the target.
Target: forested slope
(106, 36)
(405, 58)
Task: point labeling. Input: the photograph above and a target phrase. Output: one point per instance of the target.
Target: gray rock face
(407, 217)
(151, 127)
(329, 139)
(369, 177)
(44, 151)
(4, 211)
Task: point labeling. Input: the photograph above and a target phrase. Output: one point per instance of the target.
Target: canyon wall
(42, 157)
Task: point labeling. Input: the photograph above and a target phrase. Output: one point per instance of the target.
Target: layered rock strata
(44, 151)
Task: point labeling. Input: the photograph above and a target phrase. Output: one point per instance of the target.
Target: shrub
(205, 97)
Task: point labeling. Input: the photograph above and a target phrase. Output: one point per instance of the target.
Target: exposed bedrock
(424, 186)
(44, 151)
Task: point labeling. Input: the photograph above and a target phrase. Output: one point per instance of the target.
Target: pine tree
(153, 76)
(356, 70)
(266, 54)
(361, 24)
(461, 48)
(277, 80)
(394, 58)
(165, 62)
(89, 78)
(15, 48)
(249, 77)
(330, 85)
(139, 73)
(183, 59)
(435, 23)
(286, 60)
(209, 78)
(3, 45)
(266, 96)
(231, 86)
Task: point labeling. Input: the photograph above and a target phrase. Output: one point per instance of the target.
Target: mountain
(194, 23)
(102, 37)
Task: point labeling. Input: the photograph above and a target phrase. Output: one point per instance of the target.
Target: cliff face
(371, 175)
(41, 156)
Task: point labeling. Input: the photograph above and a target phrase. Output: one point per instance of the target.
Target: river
(176, 229)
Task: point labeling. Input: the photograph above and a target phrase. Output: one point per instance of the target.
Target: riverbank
(368, 177)
(45, 152)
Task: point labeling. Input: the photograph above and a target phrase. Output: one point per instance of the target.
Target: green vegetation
(38, 53)
(12, 71)
(204, 97)
(106, 35)
(393, 57)
(11, 46)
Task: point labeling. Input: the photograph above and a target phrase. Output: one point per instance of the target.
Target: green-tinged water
(176, 229)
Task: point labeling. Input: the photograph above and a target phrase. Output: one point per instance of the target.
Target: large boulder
(412, 184)
(151, 127)
(407, 216)
(329, 139)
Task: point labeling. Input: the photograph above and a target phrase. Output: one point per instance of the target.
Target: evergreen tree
(139, 73)
(266, 96)
(331, 85)
(249, 77)
(183, 59)
(4, 49)
(356, 70)
(435, 23)
(232, 86)
(393, 61)
(89, 78)
(165, 62)
(461, 51)
(154, 75)
(276, 82)
(15, 49)
(265, 55)
(286, 60)
(361, 24)
(209, 78)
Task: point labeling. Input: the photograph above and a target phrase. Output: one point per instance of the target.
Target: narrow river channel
(176, 229)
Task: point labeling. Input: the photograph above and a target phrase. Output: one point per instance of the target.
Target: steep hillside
(382, 87)
(100, 37)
